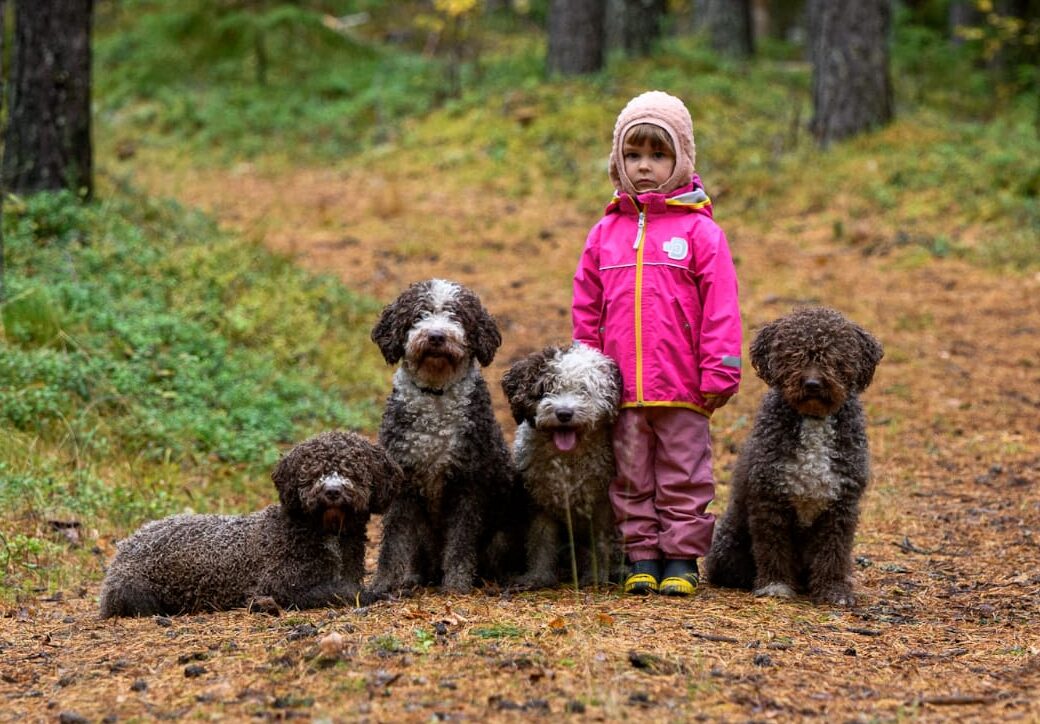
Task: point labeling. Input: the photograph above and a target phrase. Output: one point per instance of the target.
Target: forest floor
(947, 578)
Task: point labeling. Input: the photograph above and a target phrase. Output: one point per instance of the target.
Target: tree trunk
(3, 190)
(640, 25)
(1014, 54)
(47, 144)
(961, 14)
(780, 19)
(575, 36)
(852, 88)
(728, 24)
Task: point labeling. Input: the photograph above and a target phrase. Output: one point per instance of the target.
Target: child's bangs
(656, 136)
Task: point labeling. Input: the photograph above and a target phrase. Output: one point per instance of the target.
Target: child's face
(647, 167)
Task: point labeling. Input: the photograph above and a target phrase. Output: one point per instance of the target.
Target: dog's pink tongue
(565, 440)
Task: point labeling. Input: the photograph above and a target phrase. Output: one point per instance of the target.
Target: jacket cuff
(719, 386)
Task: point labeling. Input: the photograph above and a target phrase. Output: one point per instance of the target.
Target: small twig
(570, 540)
(954, 700)
(907, 547)
(713, 637)
(864, 631)
(916, 654)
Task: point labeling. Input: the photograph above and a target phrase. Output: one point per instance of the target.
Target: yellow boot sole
(678, 586)
(640, 584)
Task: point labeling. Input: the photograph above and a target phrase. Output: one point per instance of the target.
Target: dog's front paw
(588, 579)
(835, 596)
(775, 590)
(457, 588)
(531, 581)
(457, 584)
(367, 598)
(264, 604)
(395, 585)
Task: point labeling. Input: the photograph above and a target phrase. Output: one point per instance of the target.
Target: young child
(656, 290)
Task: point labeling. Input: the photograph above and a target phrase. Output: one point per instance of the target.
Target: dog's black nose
(332, 495)
(564, 415)
(436, 339)
(813, 386)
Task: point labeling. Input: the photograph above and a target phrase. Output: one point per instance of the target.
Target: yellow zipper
(639, 246)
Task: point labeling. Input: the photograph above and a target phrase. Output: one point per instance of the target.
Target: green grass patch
(497, 631)
(244, 81)
(175, 342)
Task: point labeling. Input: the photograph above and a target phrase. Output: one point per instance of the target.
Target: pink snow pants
(664, 483)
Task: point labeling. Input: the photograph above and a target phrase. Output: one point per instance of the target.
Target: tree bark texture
(961, 13)
(851, 85)
(728, 24)
(576, 36)
(3, 191)
(640, 25)
(47, 144)
(780, 19)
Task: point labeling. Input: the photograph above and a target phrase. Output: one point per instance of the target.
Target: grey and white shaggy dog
(797, 482)
(438, 425)
(306, 552)
(565, 402)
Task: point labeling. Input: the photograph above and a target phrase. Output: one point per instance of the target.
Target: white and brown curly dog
(794, 500)
(565, 402)
(306, 552)
(438, 425)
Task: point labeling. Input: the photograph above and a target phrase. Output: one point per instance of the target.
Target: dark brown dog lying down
(306, 552)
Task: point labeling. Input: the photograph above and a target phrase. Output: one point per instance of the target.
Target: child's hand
(713, 402)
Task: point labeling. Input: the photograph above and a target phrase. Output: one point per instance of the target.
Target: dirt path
(947, 549)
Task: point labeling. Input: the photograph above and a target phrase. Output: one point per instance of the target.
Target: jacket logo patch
(676, 248)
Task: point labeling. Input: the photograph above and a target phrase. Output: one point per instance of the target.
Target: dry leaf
(331, 645)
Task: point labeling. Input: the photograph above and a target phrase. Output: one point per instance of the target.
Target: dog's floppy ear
(284, 478)
(489, 339)
(605, 382)
(619, 386)
(391, 331)
(481, 328)
(870, 354)
(522, 385)
(387, 479)
(760, 351)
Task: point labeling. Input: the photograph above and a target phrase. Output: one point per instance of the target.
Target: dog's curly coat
(794, 500)
(438, 425)
(306, 552)
(565, 402)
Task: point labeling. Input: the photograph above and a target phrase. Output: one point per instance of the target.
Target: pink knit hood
(667, 112)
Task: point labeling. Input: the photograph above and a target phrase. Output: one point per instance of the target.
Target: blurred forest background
(207, 202)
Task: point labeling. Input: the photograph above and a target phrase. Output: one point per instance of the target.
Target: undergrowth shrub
(176, 342)
(231, 78)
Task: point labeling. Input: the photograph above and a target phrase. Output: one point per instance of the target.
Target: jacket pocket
(688, 334)
(684, 323)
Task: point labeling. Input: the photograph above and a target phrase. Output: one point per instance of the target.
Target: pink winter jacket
(656, 291)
